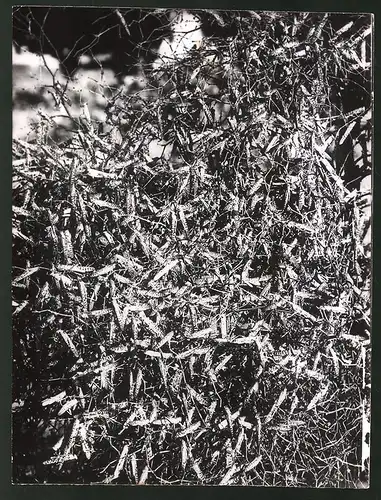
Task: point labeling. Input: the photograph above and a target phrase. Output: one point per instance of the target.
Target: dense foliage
(203, 316)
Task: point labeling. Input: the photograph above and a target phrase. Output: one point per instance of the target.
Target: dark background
(8, 491)
(66, 35)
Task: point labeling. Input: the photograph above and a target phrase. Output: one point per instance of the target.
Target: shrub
(201, 317)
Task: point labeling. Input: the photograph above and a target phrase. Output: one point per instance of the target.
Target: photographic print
(191, 276)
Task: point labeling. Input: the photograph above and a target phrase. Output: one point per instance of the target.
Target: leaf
(164, 340)
(165, 270)
(105, 270)
(144, 475)
(71, 404)
(184, 454)
(274, 409)
(304, 313)
(189, 430)
(230, 473)
(222, 363)
(54, 399)
(318, 397)
(19, 234)
(123, 22)
(26, 274)
(106, 204)
(253, 464)
(67, 246)
(223, 326)
(121, 461)
(158, 354)
(58, 444)
(61, 459)
(134, 467)
(98, 174)
(76, 269)
(347, 132)
(150, 324)
(272, 143)
(198, 471)
(233, 417)
(69, 343)
(167, 421)
(345, 28)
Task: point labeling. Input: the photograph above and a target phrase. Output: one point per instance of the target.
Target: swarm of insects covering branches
(201, 315)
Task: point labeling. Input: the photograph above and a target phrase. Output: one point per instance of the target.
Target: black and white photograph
(191, 247)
